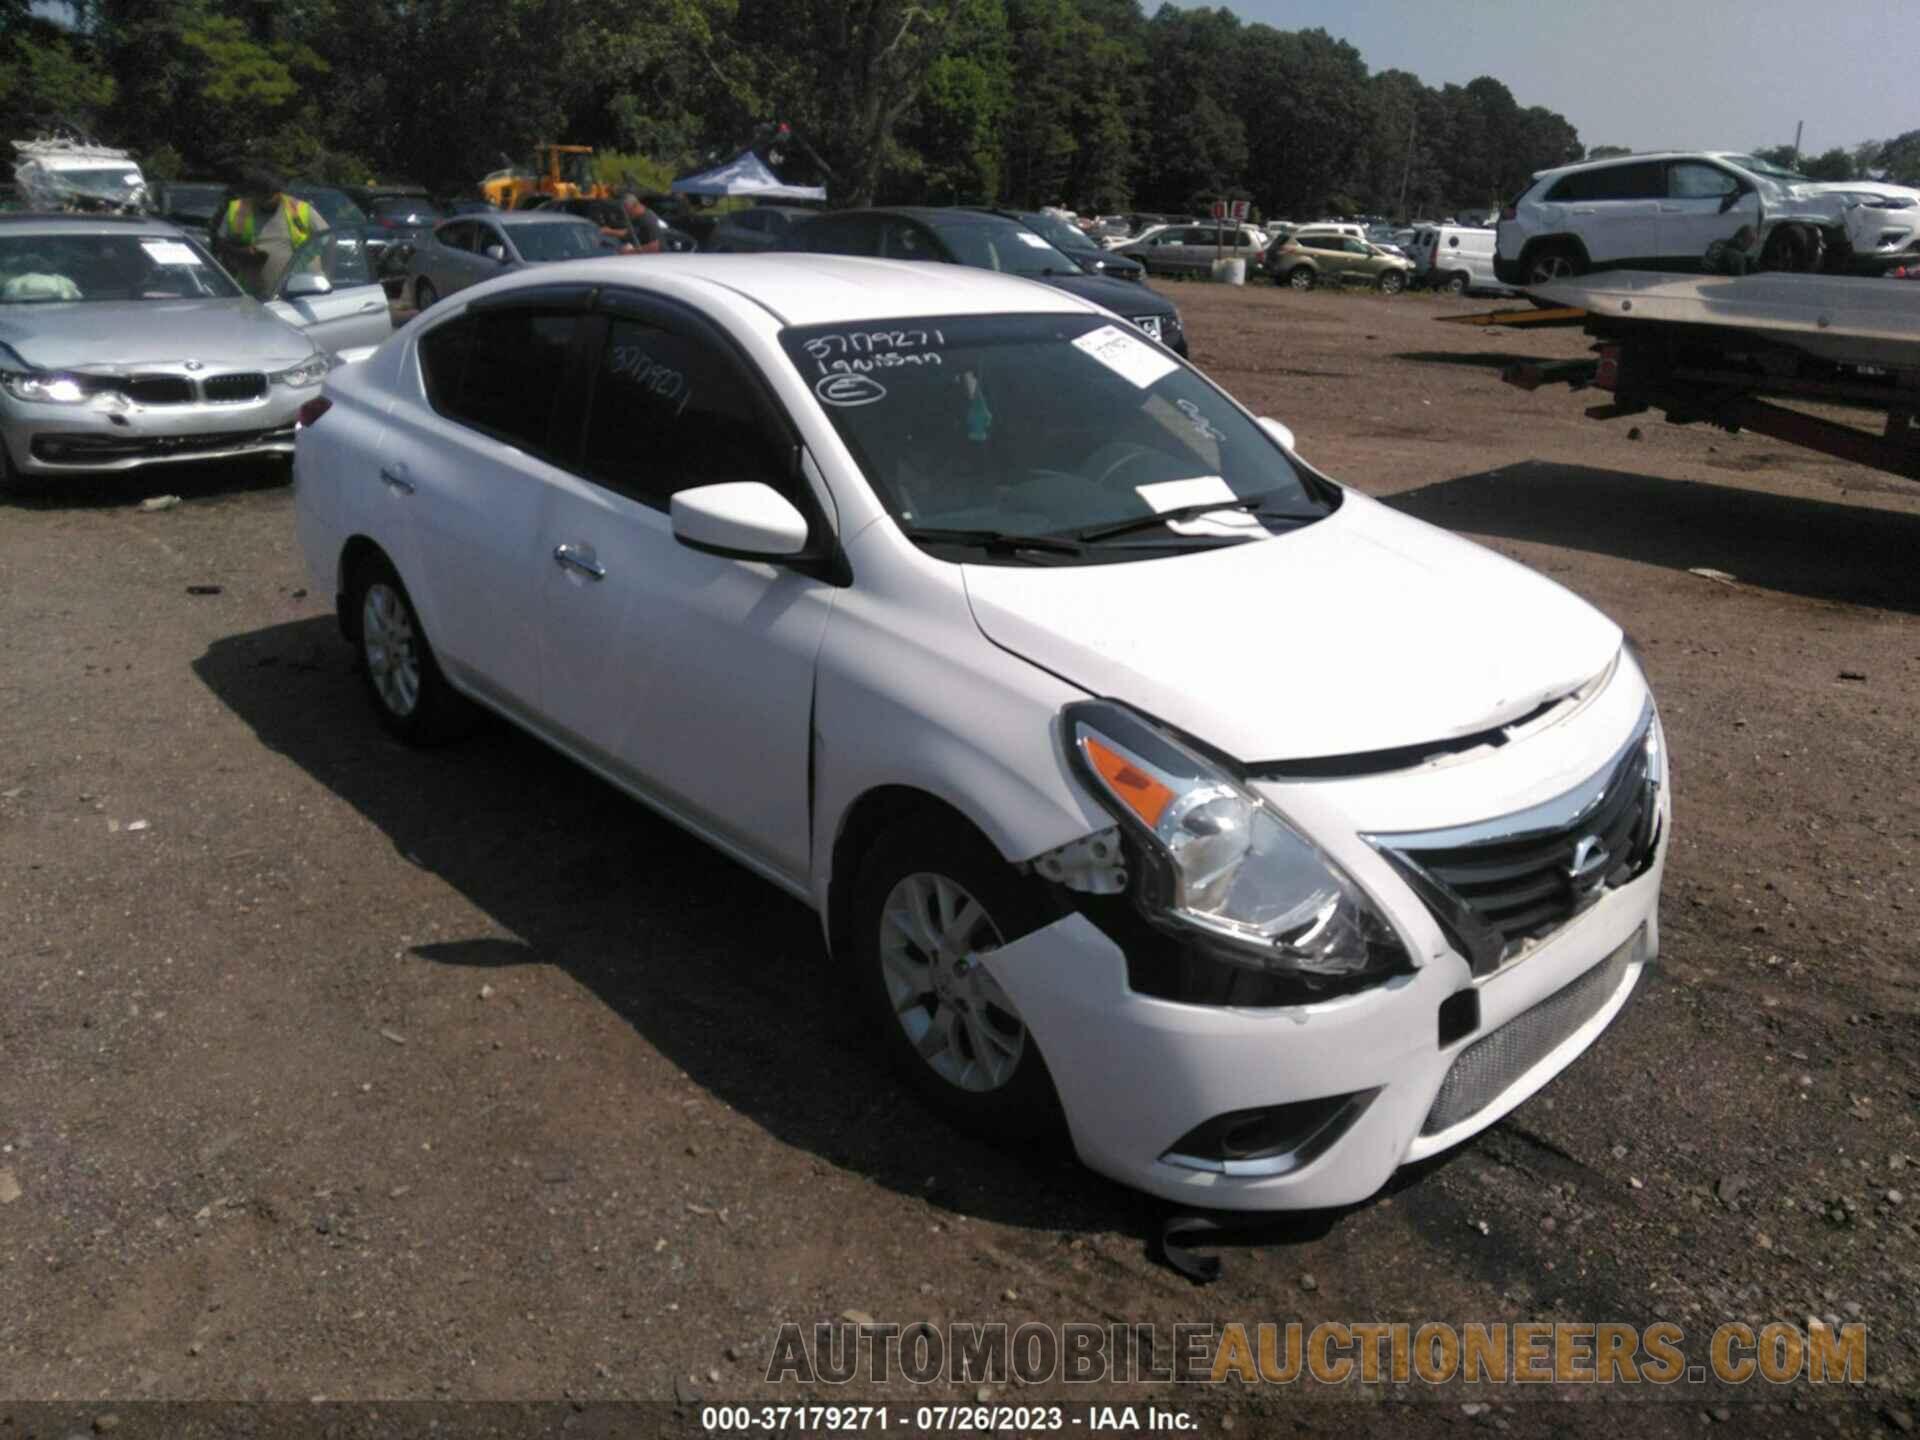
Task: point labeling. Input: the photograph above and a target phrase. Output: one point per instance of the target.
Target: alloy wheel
(955, 1015)
(387, 638)
(1554, 265)
(1301, 279)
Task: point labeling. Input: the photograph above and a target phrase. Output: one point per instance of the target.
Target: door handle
(579, 557)
(371, 306)
(395, 477)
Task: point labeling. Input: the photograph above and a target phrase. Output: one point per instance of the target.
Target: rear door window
(502, 372)
(1694, 180)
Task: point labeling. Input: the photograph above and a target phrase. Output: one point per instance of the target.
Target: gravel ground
(328, 1068)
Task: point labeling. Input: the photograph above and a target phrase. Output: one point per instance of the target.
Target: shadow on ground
(1822, 549)
(1482, 359)
(204, 480)
(724, 975)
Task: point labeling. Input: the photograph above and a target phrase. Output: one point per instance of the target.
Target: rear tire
(1456, 284)
(1554, 262)
(931, 895)
(1300, 278)
(410, 694)
(424, 294)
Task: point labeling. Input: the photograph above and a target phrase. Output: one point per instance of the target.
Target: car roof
(806, 289)
(66, 223)
(929, 214)
(1638, 157)
(537, 217)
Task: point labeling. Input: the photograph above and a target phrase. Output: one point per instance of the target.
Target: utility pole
(1413, 113)
(1798, 126)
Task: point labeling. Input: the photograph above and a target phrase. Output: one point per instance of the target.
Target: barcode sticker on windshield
(1027, 238)
(170, 252)
(1132, 360)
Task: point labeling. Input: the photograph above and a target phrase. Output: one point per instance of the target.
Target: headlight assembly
(310, 371)
(47, 386)
(1219, 862)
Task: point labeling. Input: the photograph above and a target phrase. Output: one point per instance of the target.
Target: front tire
(1392, 283)
(410, 694)
(1300, 278)
(932, 898)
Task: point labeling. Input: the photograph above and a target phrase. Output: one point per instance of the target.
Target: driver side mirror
(1282, 436)
(1732, 198)
(307, 284)
(742, 520)
(496, 253)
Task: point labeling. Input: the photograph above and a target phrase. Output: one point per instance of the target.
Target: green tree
(1834, 164)
(47, 78)
(1608, 152)
(1898, 159)
(1305, 98)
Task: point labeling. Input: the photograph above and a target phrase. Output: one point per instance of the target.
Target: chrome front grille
(1483, 1071)
(1495, 887)
(159, 389)
(245, 385)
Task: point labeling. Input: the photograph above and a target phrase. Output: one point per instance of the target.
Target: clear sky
(1651, 74)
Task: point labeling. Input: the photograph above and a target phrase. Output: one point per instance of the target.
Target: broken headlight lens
(46, 386)
(1221, 862)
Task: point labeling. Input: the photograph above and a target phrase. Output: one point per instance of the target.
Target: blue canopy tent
(746, 174)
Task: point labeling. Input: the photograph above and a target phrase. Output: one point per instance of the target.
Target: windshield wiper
(1186, 512)
(994, 542)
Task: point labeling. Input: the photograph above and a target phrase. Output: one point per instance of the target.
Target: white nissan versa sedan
(1145, 779)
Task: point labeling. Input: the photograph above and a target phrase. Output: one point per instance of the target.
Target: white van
(1455, 258)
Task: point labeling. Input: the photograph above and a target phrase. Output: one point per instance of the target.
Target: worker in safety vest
(258, 232)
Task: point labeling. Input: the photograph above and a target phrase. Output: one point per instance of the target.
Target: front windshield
(335, 205)
(1768, 169)
(35, 269)
(1047, 426)
(555, 242)
(1057, 231)
(1009, 248)
(118, 184)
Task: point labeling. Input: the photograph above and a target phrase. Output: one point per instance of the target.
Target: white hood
(1365, 631)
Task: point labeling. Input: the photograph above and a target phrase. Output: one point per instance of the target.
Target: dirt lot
(333, 1069)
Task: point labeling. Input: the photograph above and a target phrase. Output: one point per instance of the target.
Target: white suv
(1662, 212)
(1144, 779)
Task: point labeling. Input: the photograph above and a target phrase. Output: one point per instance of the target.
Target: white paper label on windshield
(1131, 359)
(169, 252)
(1202, 490)
(1028, 238)
(1178, 494)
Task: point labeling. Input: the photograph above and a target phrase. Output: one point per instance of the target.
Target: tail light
(311, 411)
(1606, 375)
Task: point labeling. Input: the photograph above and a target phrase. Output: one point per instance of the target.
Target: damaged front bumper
(1314, 1105)
(55, 439)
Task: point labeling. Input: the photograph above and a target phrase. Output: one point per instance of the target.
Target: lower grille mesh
(1482, 1071)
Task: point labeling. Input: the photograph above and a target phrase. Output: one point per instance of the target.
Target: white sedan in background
(1150, 784)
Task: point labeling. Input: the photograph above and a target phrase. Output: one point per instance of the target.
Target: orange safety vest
(240, 220)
